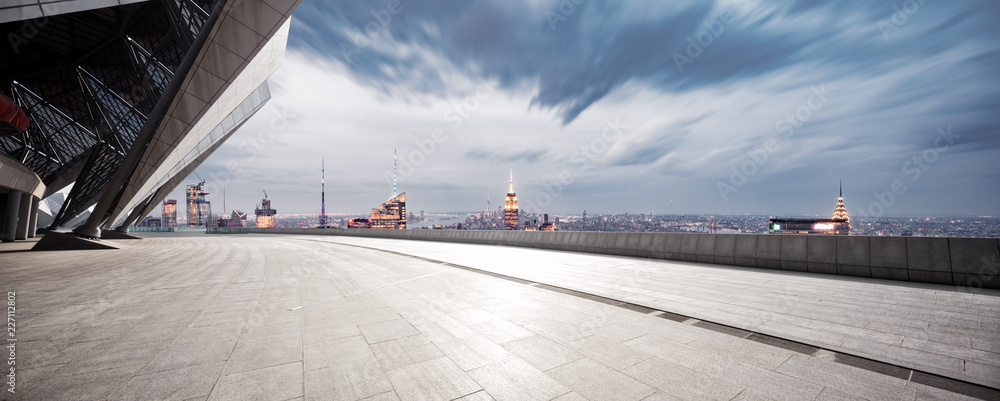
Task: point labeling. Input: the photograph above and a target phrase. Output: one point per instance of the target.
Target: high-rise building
(265, 215)
(840, 213)
(322, 195)
(169, 215)
(391, 215)
(839, 224)
(547, 225)
(510, 212)
(199, 210)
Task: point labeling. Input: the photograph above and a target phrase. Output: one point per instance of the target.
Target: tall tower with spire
(394, 168)
(510, 212)
(840, 213)
(322, 195)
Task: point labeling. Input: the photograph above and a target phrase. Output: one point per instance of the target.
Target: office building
(199, 210)
(265, 214)
(510, 211)
(169, 214)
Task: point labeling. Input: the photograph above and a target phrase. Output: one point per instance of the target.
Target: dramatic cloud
(697, 106)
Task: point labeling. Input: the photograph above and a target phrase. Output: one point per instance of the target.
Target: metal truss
(87, 82)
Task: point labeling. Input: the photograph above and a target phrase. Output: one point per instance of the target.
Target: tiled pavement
(279, 318)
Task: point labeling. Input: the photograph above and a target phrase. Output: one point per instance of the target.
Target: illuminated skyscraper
(322, 195)
(510, 213)
(169, 215)
(391, 215)
(840, 214)
(839, 224)
(199, 210)
(265, 215)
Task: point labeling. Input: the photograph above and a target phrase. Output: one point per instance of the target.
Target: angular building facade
(125, 99)
(391, 215)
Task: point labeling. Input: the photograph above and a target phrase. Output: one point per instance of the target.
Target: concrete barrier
(768, 254)
(852, 256)
(794, 252)
(725, 249)
(821, 254)
(966, 262)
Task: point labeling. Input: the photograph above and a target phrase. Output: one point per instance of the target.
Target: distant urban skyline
(711, 114)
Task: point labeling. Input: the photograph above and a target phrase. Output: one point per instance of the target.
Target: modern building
(125, 98)
(265, 215)
(169, 214)
(510, 212)
(238, 219)
(839, 224)
(199, 210)
(391, 215)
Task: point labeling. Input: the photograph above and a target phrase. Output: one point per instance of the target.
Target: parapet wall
(967, 262)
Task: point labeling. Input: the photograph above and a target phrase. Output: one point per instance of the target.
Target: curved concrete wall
(967, 262)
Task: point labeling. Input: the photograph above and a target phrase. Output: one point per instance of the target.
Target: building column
(33, 218)
(10, 216)
(23, 215)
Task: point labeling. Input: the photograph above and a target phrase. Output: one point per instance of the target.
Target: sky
(702, 107)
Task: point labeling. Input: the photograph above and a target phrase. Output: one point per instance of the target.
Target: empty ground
(239, 317)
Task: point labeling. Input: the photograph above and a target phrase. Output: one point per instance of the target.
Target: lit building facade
(265, 215)
(839, 224)
(169, 214)
(391, 215)
(358, 223)
(510, 212)
(199, 210)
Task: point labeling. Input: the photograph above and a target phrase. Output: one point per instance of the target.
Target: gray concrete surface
(279, 317)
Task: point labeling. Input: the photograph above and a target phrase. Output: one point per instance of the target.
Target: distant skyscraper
(322, 195)
(546, 225)
(840, 213)
(199, 210)
(169, 215)
(265, 215)
(391, 215)
(510, 212)
(839, 224)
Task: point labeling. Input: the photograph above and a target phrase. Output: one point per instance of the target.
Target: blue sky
(753, 106)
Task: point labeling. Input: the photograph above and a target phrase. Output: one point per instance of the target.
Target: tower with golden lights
(510, 213)
(840, 214)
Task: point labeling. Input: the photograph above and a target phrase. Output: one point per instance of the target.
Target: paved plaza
(281, 317)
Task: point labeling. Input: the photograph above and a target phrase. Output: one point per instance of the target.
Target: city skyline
(729, 134)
